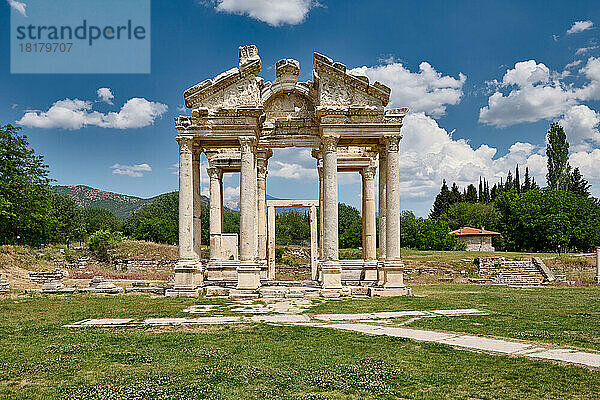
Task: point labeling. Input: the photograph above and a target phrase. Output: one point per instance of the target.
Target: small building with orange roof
(477, 239)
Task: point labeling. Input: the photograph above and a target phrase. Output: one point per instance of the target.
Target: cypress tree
(441, 202)
(557, 150)
(517, 183)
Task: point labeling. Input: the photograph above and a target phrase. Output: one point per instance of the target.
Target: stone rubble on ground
(4, 286)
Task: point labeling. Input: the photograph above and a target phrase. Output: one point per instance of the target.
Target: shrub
(102, 242)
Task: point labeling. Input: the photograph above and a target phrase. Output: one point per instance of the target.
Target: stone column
(598, 264)
(271, 233)
(197, 199)
(332, 274)
(261, 194)
(368, 175)
(321, 215)
(187, 274)
(186, 200)
(313, 243)
(382, 201)
(248, 272)
(216, 229)
(393, 269)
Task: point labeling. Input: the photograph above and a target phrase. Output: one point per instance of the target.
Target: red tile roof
(468, 231)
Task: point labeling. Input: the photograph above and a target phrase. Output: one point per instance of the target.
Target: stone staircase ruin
(515, 273)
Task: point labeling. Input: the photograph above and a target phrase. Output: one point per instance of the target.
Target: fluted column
(331, 268)
(262, 158)
(247, 199)
(186, 200)
(393, 200)
(321, 215)
(197, 199)
(370, 232)
(393, 267)
(216, 228)
(382, 201)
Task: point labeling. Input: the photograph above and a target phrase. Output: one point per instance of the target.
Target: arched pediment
(292, 104)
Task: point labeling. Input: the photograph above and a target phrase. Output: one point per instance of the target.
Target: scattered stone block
(4, 286)
(97, 280)
(42, 277)
(52, 286)
(389, 292)
(216, 291)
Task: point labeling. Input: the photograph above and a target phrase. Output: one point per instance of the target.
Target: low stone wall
(42, 277)
(145, 265)
(512, 272)
(4, 286)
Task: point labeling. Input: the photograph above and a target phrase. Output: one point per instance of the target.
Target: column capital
(329, 143)
(369, 172)
(261, 172)
(247, 143)
(214, 173)
(393, 142)
(186, 144)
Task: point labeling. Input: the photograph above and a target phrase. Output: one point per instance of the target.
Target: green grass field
(41, 360)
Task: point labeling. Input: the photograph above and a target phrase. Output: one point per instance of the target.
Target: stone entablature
(237, 119)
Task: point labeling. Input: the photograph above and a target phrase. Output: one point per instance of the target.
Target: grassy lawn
(39, 359)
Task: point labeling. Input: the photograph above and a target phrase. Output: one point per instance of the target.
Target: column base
(248, 276)
(331, 275)
(370, 268)
(380, 272)
(597, 279)
(393, 274)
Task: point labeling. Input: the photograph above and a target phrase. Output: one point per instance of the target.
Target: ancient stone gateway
(237, 119)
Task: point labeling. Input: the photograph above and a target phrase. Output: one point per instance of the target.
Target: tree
(25, 198)
(351, 238)
(472, 214)
(481, 190)
(98, 219)
(70, 226)
(517, 183)
(292, 227)
(471, 194)
(577, 184)
(158, 221)
(509, 185)
(557, 151)
(527, 181)
(455, 195)
(441, 202)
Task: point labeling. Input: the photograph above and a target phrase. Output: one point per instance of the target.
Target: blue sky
(530, 63)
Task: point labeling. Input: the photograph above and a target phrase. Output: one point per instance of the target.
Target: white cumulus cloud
(18, 6)
(580, 26)
(536, 93)
(581, 125)
(106, 95)
(425, 91)
(273, 12)
(134, 171)
(76, 114)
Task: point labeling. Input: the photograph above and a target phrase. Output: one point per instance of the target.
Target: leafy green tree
(70, 226)
(455, 194)
(292, 227)
(25, 198)
(557, 151)
(158, 221)
(472, 214)
(102, 242)
(543, 219)
(351, 238)
(98, 219)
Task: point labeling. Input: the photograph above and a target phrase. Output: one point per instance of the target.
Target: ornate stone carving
(247, 143)
(290, 105)
(329, 143)
(369, 172)
(186, 144)
(214, 173)
(393, 143)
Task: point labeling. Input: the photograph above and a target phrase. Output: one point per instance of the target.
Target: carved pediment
(239, 86)
(336, 87)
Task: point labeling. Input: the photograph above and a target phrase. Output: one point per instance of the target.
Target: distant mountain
(121, 205)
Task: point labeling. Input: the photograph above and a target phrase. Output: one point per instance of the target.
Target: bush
(102, 242)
